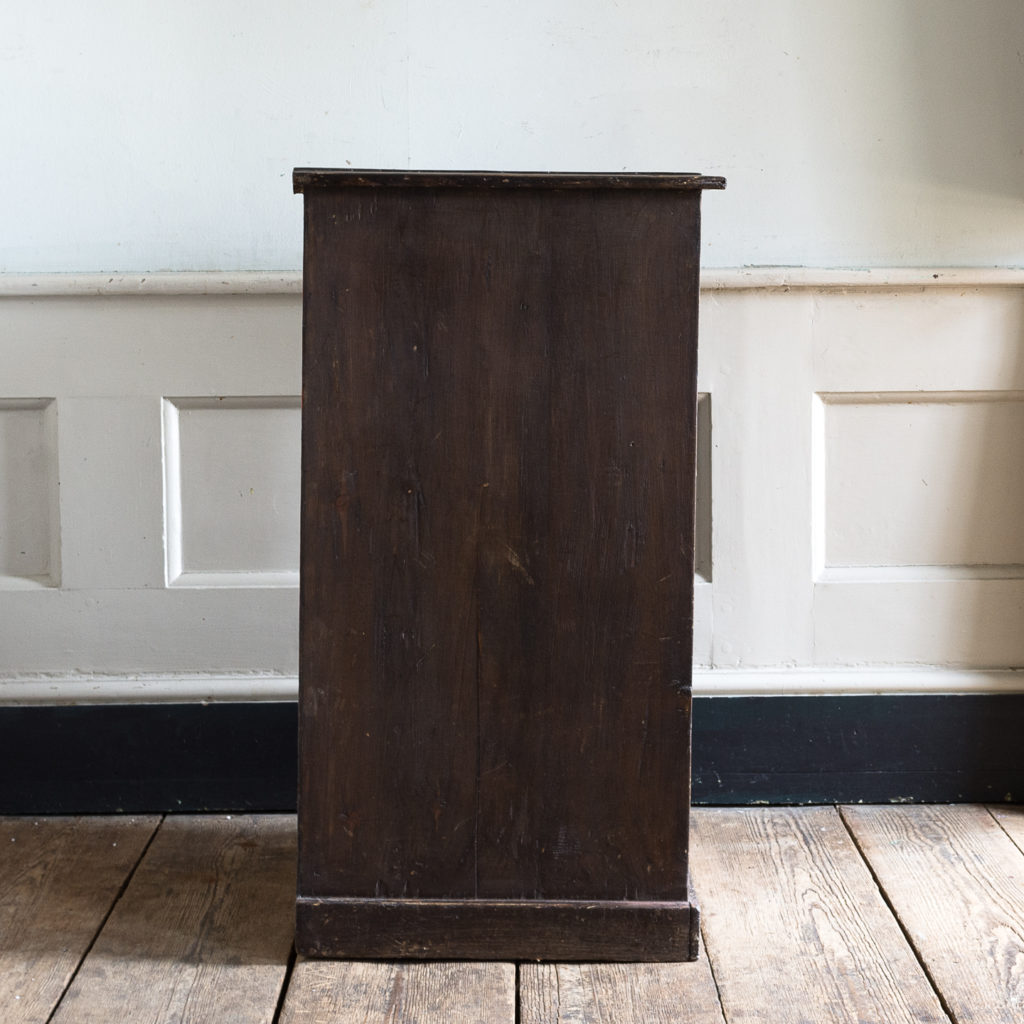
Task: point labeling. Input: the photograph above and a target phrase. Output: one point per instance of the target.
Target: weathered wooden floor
(815, 914)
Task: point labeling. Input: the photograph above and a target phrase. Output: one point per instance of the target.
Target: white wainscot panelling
(703, 611)
(29, 516)
(755, 363)
(86, 612)
(922, 486)
(232, 491)
(860, 475)
(111, 493)
(936, 339)
(918, 454)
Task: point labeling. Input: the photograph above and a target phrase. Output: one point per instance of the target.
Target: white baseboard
(199, 688)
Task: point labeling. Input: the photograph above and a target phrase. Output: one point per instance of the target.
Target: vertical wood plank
(956, 881)
(203, 932)
(332, 992)
(391, 502)
(794, 921)
(618, 994)
(59, 878)
(587, 573)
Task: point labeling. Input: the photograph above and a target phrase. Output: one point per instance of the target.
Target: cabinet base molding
(474, 929)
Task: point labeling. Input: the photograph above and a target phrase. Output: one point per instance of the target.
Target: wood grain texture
(497, 541)
(203, 932)
(392, 487)
(368, 993)
(307, 179)
(476, 929)
(794, 925)
(585, 589)
(59, 878)
(618, 994)
(956, 881)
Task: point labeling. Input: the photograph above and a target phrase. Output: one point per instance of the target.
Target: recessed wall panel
(28, 492)
(923, 480)
(232, 490)
(702, 521)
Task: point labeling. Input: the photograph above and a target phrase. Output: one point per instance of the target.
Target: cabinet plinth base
(473, 929)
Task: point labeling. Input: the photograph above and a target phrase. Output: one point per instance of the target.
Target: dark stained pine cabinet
(499, 414)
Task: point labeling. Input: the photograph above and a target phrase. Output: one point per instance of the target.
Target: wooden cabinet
(499, 393)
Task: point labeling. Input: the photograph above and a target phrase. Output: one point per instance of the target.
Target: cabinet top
(306, 179)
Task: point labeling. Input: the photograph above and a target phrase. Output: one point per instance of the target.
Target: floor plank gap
(205, 928)
(794, 921)
(60, 878)
(519, 998)
(711, 968)
(896, 917)
(400, 992)
(955, 882)
(1010, 818)
(618, 993)
(106, 917)
(285, 984)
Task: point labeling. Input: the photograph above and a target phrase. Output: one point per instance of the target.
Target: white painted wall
(861, 474)
(142, 137)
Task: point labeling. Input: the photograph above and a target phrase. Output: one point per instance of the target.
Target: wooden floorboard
(59, 877)
(353, 992)
(955, 879)
(795, 926)
(817, 914)
(203, 932)
(618, 994)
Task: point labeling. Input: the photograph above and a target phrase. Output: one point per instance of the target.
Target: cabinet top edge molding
(309, 178)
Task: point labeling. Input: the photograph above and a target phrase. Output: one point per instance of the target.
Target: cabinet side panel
(497, 543)
(587, 563)
(388, 707)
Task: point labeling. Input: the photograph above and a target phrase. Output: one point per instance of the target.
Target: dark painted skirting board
(233, 757)
(870, 749)
(135, 758)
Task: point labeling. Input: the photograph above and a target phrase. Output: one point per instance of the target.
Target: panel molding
(178, 574)
(289, 282)
(703, 538)
(921, 397)
(824, 571)
(202, 282)
(146, 688)
(171, 442)
(48, 498)
(917, 573)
